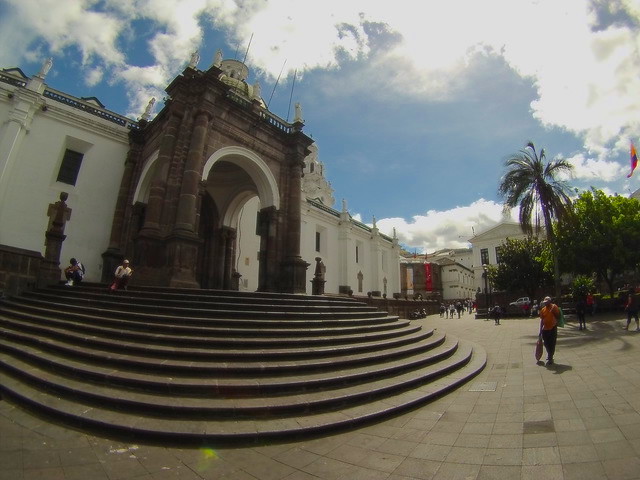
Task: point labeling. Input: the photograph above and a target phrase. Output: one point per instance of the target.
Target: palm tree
(532, 184)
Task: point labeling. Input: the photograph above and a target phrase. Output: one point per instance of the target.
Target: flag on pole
(634, 160)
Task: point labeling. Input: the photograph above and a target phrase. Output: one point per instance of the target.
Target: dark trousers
(581, 318)
(549, 338)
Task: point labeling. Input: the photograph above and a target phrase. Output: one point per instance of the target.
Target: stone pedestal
(294, 275)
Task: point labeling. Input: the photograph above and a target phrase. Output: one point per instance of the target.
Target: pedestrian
(496, 311)
(591, 304)
(459, 308)
(74, 273)
(549, 315)
(122, 275)
(452, 310)
(581, 312)
(632, 310)
(442, 310)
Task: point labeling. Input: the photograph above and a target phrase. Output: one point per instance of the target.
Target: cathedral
(213, 192)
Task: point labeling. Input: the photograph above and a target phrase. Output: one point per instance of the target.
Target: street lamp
(486, 285)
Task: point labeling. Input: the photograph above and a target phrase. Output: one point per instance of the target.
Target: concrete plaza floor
(579, 419)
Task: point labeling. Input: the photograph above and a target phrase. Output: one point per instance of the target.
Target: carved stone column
(294, 268)
(114, 254)
(183, 243)
(191, 177)
(268, 270)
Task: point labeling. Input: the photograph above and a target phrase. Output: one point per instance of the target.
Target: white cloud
(444, 229)
(94, 76)
(588, 169)
(586, 78)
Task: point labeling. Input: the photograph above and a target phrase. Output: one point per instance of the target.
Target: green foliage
(533, 184)
(523, 266)
(582, 284)
(602, 238)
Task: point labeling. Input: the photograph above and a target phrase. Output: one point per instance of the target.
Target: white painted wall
(33, 186)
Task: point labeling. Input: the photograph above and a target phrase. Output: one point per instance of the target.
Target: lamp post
(486, 286)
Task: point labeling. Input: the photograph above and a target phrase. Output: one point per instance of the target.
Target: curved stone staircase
(202, 366)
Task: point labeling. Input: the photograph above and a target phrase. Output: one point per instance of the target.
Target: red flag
(428, 278)
(634, 160)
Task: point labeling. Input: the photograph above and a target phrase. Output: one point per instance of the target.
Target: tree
(535, 186)
(603, 237)
(522, 266)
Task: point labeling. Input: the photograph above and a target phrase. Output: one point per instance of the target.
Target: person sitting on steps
(74, 272)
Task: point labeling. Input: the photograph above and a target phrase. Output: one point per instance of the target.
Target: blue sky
(414, 108)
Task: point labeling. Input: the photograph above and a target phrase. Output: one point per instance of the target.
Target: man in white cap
(122, 276)
(549, 315)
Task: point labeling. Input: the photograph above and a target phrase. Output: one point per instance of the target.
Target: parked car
(521, 302)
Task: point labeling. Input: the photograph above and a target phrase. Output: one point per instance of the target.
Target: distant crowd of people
(457, 308)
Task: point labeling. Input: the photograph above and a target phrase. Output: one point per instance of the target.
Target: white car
(521, 302)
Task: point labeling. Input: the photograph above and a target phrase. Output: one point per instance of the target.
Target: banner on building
(428, 277)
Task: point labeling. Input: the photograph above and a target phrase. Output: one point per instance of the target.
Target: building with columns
(210, 193)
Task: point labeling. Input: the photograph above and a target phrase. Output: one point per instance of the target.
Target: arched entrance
(232, 177)
(188, 175)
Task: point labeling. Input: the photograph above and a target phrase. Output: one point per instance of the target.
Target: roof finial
(195, 58)
(147, 111)
(217, 60)
(46, 66)
(298, 113)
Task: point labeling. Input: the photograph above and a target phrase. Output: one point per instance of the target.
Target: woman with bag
(549, 315)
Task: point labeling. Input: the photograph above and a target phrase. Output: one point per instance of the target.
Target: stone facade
(210, 193)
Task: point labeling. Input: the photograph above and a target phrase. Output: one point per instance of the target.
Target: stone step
(195, 303)
(197, 326)
(227, 296)
(246, 362)
(267, 425)
(200, 378)
(194, 347)
(131, 310)
(201, 366)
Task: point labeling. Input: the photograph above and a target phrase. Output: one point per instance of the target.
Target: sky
(414, 105)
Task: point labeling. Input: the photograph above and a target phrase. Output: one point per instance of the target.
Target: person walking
(581, 312)
(632, 310)
(549, 315)
(496, 311)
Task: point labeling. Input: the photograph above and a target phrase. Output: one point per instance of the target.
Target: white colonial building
(120, 175)
(486, 247)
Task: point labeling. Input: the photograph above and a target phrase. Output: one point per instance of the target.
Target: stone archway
(211, 148)
(231, 177)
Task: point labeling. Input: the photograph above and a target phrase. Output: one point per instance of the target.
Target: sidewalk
(579, 419)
